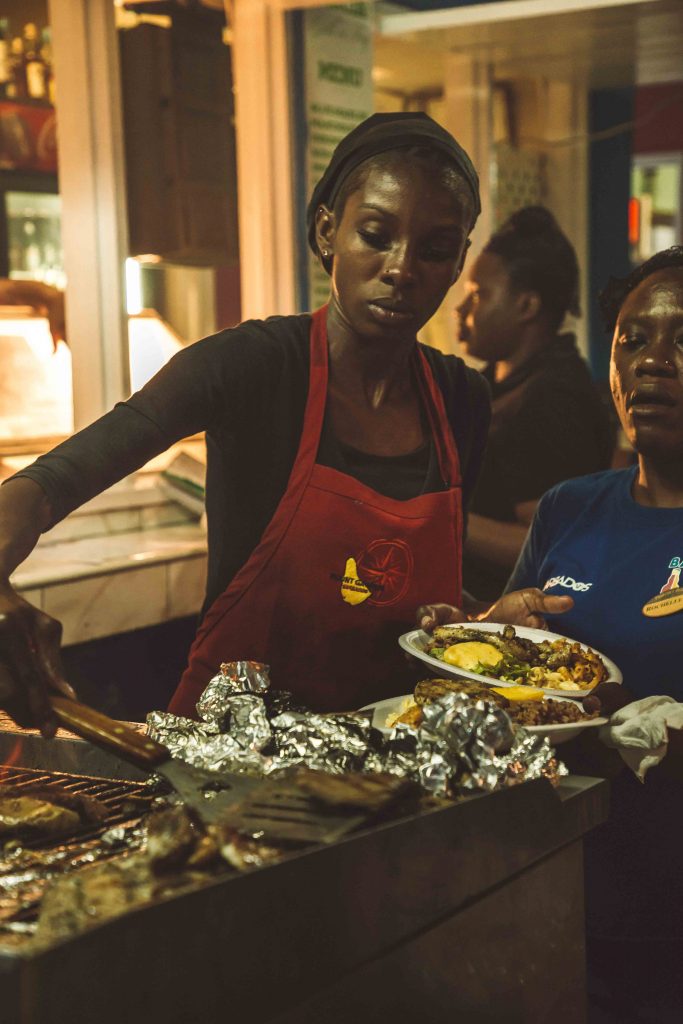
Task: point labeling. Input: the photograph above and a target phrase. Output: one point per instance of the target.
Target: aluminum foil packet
(235, 677)
(465, 746)
(330, 743)
(462, 745)
(203, 744)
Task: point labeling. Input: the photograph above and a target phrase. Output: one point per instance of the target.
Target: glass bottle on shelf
(35, 74)
(34, 238)
(48, 73)
(17, 88)
(4, 58)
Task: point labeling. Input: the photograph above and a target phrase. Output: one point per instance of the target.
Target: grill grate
(24, 875)
(117, 797)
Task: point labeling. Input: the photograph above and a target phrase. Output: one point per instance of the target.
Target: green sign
(339, 94)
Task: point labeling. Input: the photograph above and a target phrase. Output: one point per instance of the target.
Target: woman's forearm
(24, 514)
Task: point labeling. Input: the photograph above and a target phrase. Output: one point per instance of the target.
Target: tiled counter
(130, 558)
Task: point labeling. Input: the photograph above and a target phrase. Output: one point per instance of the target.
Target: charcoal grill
(472, 912)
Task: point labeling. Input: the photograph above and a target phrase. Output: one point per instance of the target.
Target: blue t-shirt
(590, 539)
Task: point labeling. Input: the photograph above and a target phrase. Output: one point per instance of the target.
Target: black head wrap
(381, 133)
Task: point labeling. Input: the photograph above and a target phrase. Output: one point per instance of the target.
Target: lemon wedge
(472, 655)
(519, 692)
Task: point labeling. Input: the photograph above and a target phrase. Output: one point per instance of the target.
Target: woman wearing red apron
(342, 566)
(334, 478)
(339, 571)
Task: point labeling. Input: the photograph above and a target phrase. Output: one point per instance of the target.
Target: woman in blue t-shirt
(614, 542)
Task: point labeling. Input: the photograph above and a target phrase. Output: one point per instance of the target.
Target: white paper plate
(414, 641)
(556, 733)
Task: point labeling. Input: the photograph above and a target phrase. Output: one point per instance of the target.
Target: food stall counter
(472, 911)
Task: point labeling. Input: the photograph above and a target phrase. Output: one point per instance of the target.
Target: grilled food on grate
(179, 851)
(45, 811)
(26, 815)
(81, 900)
(30, 862)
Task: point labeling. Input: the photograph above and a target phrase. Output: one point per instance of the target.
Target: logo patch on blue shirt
(566, 581)
(675, 567)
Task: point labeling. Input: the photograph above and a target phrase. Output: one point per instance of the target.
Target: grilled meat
(244, 853)
(24, 815)
(548, 712)
(75, 902)
(431, 689)
(80, 900)
(444, 636)
(507, 642)
(172, 859)
(171, 837)
(554, 657)
(518, 647)
(90, 811)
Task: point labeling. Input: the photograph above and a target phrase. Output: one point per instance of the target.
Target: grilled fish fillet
(25, 814)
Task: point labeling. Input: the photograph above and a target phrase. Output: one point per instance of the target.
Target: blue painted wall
(609, 188)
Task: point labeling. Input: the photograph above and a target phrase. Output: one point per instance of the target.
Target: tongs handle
(106, 732)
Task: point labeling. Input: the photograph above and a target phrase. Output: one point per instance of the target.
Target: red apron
(338, 573)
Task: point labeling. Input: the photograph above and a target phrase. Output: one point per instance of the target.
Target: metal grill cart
(469, 913)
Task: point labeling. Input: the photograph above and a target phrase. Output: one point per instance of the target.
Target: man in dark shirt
(548, 422)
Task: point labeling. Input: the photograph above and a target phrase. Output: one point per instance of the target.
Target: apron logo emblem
(387, 568)
(353, 590)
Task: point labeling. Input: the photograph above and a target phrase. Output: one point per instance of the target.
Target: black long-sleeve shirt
(247, 388)
(548, 425)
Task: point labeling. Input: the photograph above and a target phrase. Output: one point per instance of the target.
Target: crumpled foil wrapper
(469, 746)
(235, 677)
(463, 746)
(330, 743)
(203, 744)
